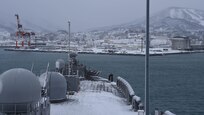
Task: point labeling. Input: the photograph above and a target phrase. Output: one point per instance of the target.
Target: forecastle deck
(94, 98)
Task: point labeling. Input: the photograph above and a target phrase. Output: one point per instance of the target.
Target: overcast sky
(86, 14)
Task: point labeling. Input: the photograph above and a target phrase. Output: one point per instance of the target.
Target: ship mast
(147, 61)
(69, 23)
(69, 70)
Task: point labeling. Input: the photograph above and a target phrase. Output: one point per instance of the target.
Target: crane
(21, 33)
(19, 26)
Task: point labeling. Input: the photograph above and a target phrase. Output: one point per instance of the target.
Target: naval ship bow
(88, 93)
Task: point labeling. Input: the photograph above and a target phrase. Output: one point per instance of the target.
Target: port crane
(20, 33)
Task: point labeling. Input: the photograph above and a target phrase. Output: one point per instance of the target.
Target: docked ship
(69, 89)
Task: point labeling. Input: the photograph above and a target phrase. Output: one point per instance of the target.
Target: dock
(104, 53)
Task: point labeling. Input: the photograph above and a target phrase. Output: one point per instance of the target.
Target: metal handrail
(17, 108)
(126, 89)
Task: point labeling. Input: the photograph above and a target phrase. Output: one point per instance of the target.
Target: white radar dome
(19, 86)
(57, 84)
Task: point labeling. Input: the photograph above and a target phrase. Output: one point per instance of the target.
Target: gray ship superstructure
(71, 89)
(23, 93)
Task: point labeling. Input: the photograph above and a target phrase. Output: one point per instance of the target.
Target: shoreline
(101, 53)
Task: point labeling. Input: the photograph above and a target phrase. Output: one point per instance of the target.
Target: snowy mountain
(176, 18)
(169, 20)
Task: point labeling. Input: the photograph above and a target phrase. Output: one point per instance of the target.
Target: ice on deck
(94, 98)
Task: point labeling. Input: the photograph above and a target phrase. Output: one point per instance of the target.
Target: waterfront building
(180, 43)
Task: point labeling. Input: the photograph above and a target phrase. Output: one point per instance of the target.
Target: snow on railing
(137, 103)
(126, 89)
(159, 112)
(129, 94)
(168, 113)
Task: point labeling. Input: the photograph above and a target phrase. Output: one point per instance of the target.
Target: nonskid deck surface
(94, 98)
(98, 86)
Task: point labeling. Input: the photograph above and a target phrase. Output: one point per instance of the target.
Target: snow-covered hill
(176, 18)
(169, 20)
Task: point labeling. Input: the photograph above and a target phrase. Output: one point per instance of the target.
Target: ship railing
(159, 112)
(126, 89)
(15, 109)
(137, 103)
(35, 108)
(130, 96)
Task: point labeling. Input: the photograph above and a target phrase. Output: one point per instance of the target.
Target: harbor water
(176, 81)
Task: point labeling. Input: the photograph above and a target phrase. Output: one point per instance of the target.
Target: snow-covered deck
(94, 98)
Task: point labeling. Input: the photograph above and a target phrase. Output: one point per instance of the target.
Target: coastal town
(171, 37)
(123, 42)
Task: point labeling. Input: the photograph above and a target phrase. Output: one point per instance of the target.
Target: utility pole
(147, 61)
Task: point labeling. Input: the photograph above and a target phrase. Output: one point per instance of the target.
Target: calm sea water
(177, 81)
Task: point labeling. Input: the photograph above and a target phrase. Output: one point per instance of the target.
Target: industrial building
(180, 43)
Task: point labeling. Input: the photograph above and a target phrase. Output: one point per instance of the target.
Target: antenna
(48, 65)
(47, 80)
(32, 67)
